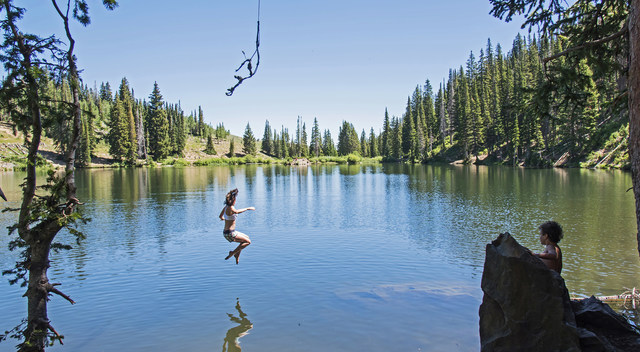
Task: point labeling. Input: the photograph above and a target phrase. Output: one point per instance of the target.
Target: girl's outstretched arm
(238, 211)
(222, 212)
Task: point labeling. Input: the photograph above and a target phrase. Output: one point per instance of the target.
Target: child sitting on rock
(550, 235)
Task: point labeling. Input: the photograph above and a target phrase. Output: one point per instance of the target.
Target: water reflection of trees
(455, 208)
(232, 339)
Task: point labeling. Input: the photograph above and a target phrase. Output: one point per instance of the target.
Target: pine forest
(506, 107)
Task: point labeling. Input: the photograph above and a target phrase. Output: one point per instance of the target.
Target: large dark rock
(526, 306)
(602, 329)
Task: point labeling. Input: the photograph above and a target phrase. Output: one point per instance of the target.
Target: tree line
(507, 106)
(134, 128)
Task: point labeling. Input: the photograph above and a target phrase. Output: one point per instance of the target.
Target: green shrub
(353, 158)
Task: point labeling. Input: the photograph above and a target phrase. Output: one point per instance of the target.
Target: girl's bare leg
(244, 242)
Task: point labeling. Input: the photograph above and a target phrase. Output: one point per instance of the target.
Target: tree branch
(60, 337)
(621, 32)
(51, 288)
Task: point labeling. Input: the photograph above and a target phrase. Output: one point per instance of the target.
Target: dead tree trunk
(142, 150)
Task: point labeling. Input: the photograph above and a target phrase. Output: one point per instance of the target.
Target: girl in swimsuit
(550, 235)
(229, 214)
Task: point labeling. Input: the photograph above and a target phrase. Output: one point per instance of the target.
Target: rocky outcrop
(526, 307)
(602, 329)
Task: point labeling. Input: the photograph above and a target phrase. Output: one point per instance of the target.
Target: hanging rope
(248, 61)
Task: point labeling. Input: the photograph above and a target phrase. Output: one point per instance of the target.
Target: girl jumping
(229, 214)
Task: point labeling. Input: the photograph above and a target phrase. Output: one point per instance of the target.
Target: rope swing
(252, 70)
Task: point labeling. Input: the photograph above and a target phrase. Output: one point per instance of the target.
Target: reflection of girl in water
(229, 214)
(235, 333)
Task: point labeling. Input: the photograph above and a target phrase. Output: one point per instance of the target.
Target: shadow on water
(231, 340)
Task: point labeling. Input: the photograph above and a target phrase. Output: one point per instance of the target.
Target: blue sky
(334, 60)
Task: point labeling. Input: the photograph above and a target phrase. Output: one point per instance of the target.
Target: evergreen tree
(386, 133)
(200, 122)
(267, 142)
(117, 129)
(328, 146)
(284, 143)
(440, 102)
(431, 120)
(232, 148)
(348, 139)
(276, 145)
(221, 132)
(158, 125)
(364, 146)
(180, 134)
(408, 134)
(373, 144)
(463, 113)
(210, 149)
(396, 139)
(304, 145)
(316, 139)
(248, 141)
(105, 92)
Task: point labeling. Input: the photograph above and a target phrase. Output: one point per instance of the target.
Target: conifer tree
(315, 147)
(408, 134)
(442, 114)
(285, 148)
(373, 144)
(210, 149)
(396, 139)
(105, 92)
(304, 144)
(328, 146)
(348, 141)
(117, 131)
(267, 142)
(200, 122)
(431, 120)
(276, 145)
(158, 125)
(232, 148)
(180, 133)
(463, 113)
(130, 125)
(364, 146)
(248, 141)
(386, 133)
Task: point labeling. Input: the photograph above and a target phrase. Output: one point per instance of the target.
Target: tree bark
(37, 296)
(633, 85)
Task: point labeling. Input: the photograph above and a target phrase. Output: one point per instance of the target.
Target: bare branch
(52, 289)
(60, 337)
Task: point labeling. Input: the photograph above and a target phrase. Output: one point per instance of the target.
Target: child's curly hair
(231, 196)
(553, 230)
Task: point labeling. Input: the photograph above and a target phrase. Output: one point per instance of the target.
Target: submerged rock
(526, 306)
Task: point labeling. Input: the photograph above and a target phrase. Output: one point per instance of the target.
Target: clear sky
(334, 59)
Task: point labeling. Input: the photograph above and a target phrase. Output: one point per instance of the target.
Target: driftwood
(631, 295)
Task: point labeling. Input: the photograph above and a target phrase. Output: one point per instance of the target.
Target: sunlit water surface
(344, 258)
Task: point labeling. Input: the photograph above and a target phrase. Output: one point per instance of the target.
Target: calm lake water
(344, 258)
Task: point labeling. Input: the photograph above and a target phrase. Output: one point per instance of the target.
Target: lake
(343, 257)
